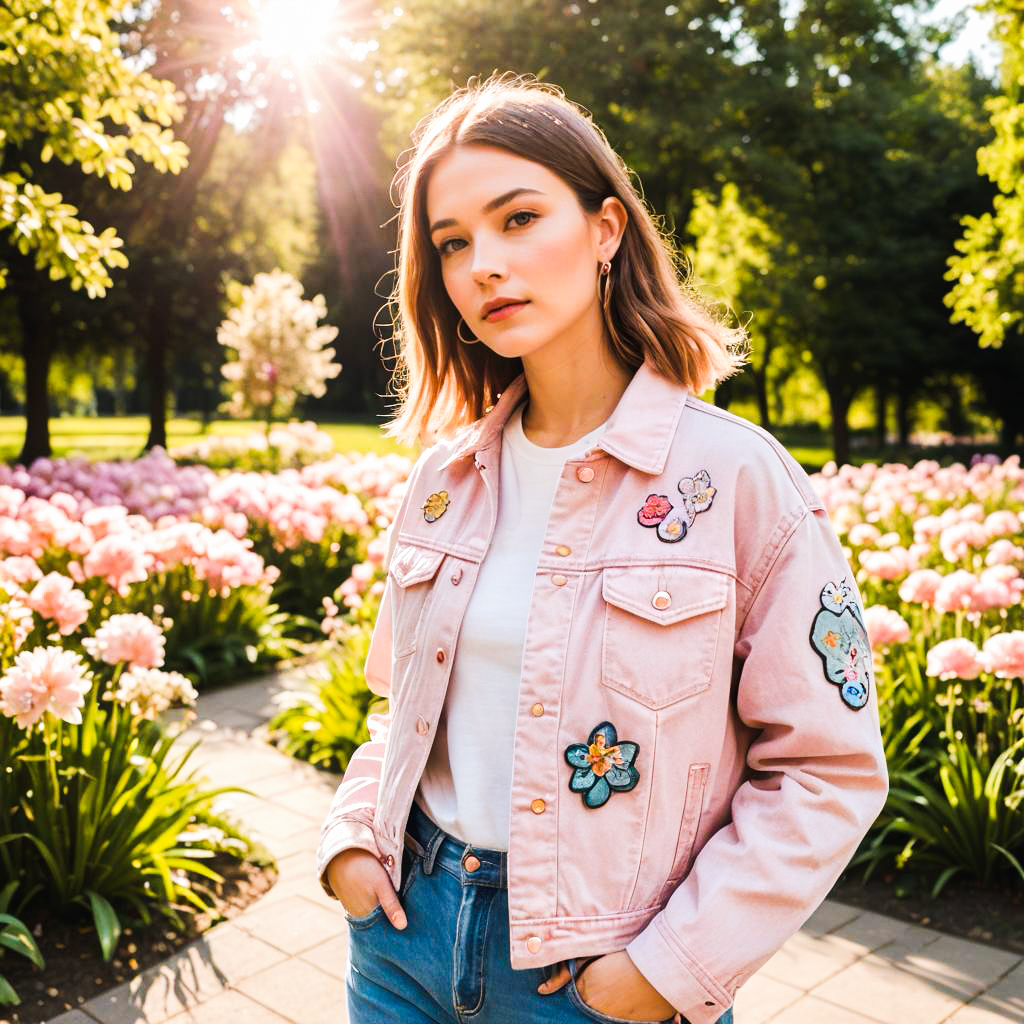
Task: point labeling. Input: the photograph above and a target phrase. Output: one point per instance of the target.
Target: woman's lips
(505, 312)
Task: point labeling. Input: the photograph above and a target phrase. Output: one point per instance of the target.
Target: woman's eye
(523, 213)
(445, 247)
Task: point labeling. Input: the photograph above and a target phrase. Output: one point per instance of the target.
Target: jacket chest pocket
(413, 571)
(661, 631)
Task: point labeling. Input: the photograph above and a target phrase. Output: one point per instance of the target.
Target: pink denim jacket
(697, 749)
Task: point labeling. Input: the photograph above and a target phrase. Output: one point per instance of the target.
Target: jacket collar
(640, 431)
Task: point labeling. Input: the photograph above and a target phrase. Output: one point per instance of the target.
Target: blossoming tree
(278, 345)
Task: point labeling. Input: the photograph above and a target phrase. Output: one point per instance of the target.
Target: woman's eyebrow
(489, 207)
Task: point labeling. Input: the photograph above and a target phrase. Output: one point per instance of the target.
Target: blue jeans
(451, 965)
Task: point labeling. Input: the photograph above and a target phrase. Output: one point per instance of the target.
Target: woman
(632, 739)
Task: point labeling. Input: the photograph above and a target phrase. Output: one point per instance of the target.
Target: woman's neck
(570, 397)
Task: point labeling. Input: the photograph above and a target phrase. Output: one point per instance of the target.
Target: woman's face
(507, 228)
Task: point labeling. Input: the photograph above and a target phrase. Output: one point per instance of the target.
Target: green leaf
(108, 926)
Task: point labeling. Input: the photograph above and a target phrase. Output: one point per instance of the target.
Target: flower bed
(124, 588)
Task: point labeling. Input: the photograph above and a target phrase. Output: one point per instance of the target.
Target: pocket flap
(665, 594)
(412, 564)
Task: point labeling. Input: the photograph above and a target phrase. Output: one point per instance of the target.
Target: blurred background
(842, 175)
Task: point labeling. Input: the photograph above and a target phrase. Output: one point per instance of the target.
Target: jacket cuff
(343, 834)
(670, 968)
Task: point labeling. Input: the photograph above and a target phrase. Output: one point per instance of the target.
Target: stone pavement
(284, 958)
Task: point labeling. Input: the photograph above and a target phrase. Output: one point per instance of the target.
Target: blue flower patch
(841, 641)
(602, 764)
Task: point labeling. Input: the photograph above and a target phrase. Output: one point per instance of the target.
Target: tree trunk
(761, 391)
(156, 368)
(881, 413)
(30, 290)
(903, 415)
(839, 405)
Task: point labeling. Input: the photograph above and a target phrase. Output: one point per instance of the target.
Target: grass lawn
(122, 437)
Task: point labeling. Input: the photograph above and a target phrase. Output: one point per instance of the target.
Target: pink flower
(884, 565)
(119, 559)
(19, 569)
(863, 534)
(54, 597)
(956, 592)
(954, 659)
(46, 679)
(885, 626)
(1004, 552)
(956, 541)
(16, 616)
(1002, 523)
(132, 638)
(920, 587)
(1003, 655)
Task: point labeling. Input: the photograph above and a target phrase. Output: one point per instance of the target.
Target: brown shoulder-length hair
(442, 384)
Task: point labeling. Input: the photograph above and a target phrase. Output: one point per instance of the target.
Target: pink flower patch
(885, 627)
(654, 511)
(46, 679)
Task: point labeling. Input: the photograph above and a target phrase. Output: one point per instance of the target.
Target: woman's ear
(609, 224)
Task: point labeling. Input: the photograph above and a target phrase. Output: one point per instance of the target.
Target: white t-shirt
(467, 782)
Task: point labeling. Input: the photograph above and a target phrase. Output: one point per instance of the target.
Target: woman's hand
(360, 882)
(612, 985)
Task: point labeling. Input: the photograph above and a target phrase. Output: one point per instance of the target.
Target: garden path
(283, 960)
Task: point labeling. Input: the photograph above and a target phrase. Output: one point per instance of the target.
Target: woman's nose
(486, 267)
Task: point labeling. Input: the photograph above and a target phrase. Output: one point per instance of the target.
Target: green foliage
(99, 816)
(988, 275)
(325, 722)
(15, 936)
(65, 84)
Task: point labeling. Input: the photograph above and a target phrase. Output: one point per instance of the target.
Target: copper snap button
(533, 943)
(421, 726)
(471, 863)
(559, 580)
(538, 806)
(439, 655)
(537, 710)
(584, 474)
(563, 550)
(456, 577)
(661, 600)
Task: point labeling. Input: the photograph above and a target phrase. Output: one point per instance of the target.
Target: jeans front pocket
(588, 1011)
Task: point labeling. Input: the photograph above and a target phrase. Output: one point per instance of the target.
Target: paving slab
(230, 1007)
(299, 991)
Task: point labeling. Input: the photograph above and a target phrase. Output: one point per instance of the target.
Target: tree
(988, 276)
(66, 91)
(733, 258)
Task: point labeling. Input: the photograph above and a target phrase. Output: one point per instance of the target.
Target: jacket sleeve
(815, 779)
(350, 818)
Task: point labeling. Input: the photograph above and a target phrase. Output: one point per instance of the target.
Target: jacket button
(387, 860)
(661, 600)
(421, 726)
(563, 550)
(471, 863)
(537, 710)
(559, 580)
(538, 806)
(533, 943)
(456, 577)
(439, 656)
(585, 474)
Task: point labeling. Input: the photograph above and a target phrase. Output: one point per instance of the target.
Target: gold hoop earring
(458, 333)
(606, 311)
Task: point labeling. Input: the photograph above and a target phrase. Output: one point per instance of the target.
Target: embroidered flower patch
(841, 641)
(434, 507)
(601, 765)
(656, 512)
